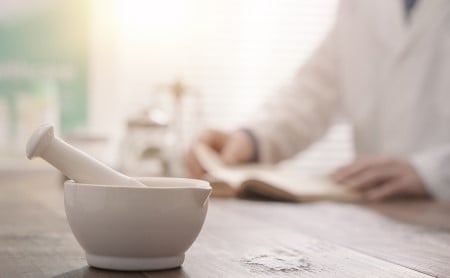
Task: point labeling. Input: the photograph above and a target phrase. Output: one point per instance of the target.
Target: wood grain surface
(240, 238)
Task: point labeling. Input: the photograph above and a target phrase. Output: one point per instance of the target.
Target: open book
(267, 181)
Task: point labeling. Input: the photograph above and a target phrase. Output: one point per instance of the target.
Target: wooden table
(240, 238)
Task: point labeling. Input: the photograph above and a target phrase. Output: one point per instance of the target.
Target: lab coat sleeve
(433, 167)
(302, 111)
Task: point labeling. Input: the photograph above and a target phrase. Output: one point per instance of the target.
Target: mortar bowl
(137, 228)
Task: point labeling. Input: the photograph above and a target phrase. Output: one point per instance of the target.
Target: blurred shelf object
(176, 139)
(143, 148)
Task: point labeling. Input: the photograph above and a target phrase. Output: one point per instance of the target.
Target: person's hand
(381, 177)
(234, 148)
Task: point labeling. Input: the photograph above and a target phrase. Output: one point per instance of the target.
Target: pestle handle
(72, 162)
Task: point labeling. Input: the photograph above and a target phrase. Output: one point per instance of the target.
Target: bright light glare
(152, 19)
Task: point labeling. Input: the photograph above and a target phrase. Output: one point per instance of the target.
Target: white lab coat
(388, 76)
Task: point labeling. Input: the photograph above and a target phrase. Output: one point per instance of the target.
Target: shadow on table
(91, 272)
(427, 213)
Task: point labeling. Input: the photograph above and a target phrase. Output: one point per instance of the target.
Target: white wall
(234, 53)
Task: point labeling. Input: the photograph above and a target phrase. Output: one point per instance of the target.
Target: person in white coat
(385, 66)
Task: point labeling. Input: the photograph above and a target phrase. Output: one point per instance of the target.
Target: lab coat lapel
(425, 15)
(386, 21)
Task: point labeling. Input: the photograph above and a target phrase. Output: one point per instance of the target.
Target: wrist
(253, 144)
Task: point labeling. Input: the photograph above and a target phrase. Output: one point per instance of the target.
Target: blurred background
(133, 81)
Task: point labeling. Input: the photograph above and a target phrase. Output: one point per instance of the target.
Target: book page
(303, 185)
(296, 184)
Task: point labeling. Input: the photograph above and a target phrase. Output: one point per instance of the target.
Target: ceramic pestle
(72, 162)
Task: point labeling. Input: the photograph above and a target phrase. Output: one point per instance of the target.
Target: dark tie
(409, 6)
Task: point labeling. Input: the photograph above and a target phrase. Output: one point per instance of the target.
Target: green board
(49, 45)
